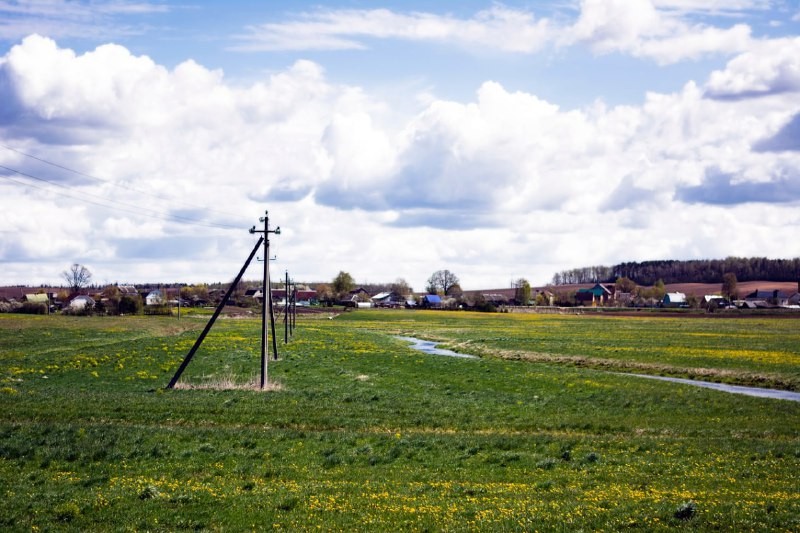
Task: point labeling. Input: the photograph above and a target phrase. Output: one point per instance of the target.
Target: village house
(388, 299)
(674, 300)
(81, 302)
(774, 298)
(39, 298)
(357, 298)
(154, 297)
(127, 290)
(256, 294)
(302, 298)
(431, 301)
(715, 301)
(599, 295)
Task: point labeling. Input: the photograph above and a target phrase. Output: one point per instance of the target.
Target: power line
(136, 210)
(107, 182)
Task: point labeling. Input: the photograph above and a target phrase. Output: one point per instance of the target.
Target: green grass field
(363, 433)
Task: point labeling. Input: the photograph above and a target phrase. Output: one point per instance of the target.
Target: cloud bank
(501, 186)
(70, 18)
(661, 31)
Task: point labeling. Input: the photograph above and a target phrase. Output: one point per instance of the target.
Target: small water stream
(734, 389)
(429, 347)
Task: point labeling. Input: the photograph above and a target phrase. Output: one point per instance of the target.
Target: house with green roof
(39, 298)
(595, 296)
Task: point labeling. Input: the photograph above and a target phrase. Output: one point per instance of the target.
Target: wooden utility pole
(286, 309)
(293, 323)
(267, 294)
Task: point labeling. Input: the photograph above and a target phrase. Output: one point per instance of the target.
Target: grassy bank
(365, 434)
(757, 351)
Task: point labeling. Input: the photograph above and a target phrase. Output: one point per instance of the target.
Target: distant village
(165, 299)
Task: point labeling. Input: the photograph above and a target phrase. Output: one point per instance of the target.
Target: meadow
(359, 432)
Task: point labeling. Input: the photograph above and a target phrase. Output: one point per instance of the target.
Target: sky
(143, 139)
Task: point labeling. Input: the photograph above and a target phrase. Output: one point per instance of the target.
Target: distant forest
(694, 271)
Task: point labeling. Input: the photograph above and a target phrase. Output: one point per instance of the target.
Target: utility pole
(272, 325)
(272, 315)
(294, 308)
(267, 299)
(286, 310)
(293, 320)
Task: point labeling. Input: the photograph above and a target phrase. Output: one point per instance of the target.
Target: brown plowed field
(744, 288)
(701, 289)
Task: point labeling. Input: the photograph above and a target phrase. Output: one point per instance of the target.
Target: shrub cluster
(9, 307)
(32, 308)
(28, 308)
(87, 310)
(158, 310)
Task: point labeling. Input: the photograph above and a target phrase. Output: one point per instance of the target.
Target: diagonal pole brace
(218, 310)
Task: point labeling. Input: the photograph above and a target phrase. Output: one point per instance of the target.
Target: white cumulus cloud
(639, 28)
(769, 67)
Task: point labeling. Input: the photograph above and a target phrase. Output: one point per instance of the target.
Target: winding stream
(734, 389)
(429, 347)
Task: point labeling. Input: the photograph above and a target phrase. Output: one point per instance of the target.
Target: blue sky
(216, 33)
(392, 139)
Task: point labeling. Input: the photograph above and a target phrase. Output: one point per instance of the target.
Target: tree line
(690, 271)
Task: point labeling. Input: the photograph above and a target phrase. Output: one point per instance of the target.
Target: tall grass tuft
(229, 382)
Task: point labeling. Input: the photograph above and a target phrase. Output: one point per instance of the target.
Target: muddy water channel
(429, 347)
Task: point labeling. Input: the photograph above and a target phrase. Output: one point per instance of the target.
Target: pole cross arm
(276, 231)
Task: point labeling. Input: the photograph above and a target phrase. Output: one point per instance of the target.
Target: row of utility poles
(266, 297)
(267, 321)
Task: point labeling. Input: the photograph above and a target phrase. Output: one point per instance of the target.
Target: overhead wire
(121, 186)
(134, 209)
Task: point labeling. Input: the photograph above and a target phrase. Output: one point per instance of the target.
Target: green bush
(67, 512)
(157, 310)
(130, 305)
(485, 307)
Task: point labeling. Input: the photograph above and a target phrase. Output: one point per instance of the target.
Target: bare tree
(324, 292)
(77, 277)
(401, 287)
(441, 280)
